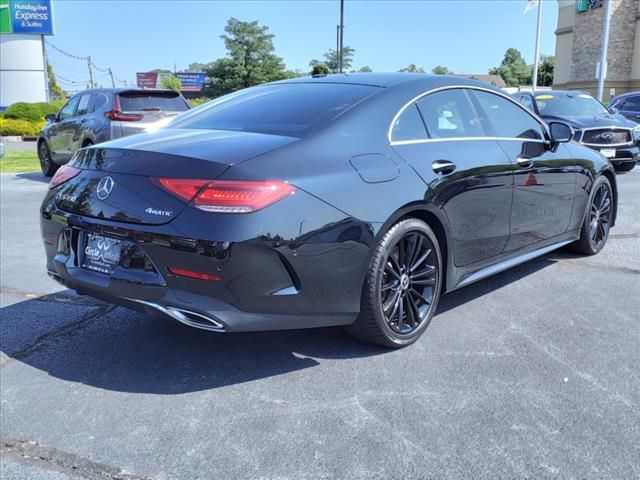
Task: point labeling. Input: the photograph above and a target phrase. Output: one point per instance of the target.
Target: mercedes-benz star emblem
(104, 188)
(607, 136)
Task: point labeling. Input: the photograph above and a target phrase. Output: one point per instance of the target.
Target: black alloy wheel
(597, 220)
(46, 164)
(600, 216)
(408, 282)
(402, 287)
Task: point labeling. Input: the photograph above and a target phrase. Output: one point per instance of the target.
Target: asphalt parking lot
(532, 373)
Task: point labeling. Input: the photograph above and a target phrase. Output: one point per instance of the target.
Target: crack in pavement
(61, 331)
(33, 454)
(624, 235)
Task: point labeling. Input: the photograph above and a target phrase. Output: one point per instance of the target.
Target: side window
(631, 103)
(507, 118)
(408, 126)
(69, 109)
(83, 105)
(98, 101)
(526, 101)
(450, 114)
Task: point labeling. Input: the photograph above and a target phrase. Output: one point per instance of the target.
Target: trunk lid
(117, 178)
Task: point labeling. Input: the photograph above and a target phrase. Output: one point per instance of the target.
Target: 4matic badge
(160, 213)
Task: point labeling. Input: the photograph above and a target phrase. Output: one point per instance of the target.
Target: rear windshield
(287, 109)
(152, 101)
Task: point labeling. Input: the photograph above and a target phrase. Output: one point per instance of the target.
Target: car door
(544, 175)
(82, 123)
(468, 174)
(61, 132)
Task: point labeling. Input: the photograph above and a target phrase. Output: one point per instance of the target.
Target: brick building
(579, 45)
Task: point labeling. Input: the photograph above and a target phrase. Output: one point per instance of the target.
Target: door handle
(443, 166)
(524, 162)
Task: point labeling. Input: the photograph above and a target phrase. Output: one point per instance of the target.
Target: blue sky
(467, 36)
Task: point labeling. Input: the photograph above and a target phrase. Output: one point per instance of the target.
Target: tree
(440, 70)
(545, 70)
(513, 69)
(332, 61)
(55, 92)
(412, 68)
(171, 83)
(365, 69)
(250, 59)
(160, 70)
(195, 67)
(319, 69)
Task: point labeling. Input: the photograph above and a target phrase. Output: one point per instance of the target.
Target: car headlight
(636, 133)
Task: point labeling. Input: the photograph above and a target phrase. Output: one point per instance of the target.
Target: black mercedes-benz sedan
(353, 200)
(596, 126)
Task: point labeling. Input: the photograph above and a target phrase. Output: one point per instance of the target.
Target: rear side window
(450, 114)
(507, 118)
(151, 101)
(287, 109)
(84, 105)
(408, 126)
(98, 101)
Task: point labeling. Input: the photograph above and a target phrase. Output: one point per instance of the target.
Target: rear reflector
(191, 274)
(228, 196)
(64, 174)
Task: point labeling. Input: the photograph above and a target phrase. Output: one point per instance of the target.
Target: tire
(46, 164)
(402, 286)
(597, 219)
(625, 167)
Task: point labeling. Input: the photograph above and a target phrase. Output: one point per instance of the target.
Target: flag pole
(534, 79)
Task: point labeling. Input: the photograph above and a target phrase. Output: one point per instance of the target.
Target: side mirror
(560, 132)
(51, 117)
(614, 110)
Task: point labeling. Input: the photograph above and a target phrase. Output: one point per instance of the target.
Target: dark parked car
(596, 126)
(627, 105)
(95, 116)
(350, 200)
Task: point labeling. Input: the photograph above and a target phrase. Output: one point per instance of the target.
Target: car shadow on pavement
(121, 350)
(33, 176)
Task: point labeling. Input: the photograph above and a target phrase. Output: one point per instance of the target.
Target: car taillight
(116, 114)
(64, 174)
(228, 196)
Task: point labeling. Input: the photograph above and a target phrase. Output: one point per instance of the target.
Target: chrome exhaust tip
(186, 317)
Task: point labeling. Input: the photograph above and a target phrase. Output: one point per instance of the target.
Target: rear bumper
(266, 282)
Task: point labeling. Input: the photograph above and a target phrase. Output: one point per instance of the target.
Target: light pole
(602, 71)
(534, 80)
(340, 57)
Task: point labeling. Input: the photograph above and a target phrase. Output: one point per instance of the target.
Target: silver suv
(95, 116)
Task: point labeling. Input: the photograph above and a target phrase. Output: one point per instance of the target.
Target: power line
(63, 52)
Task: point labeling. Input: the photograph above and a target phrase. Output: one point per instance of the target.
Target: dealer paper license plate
(101, 254)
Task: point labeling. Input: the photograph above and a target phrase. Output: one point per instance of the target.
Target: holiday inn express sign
(31, 17)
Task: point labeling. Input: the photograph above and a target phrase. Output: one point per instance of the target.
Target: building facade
(579, 46)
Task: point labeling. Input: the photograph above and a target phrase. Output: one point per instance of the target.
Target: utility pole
(534, 81)
(338, 45)
(90, 72)
(113, 83)
(340, 55)
(602, 70)
(45, 59)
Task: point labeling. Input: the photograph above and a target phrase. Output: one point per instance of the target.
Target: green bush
(32, 111)
(23, 111)
(51, 107)
(194, 102)
(20, 128)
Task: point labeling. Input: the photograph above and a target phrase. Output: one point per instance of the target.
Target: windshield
(286, 109)
(567, 104)
(152, 101)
